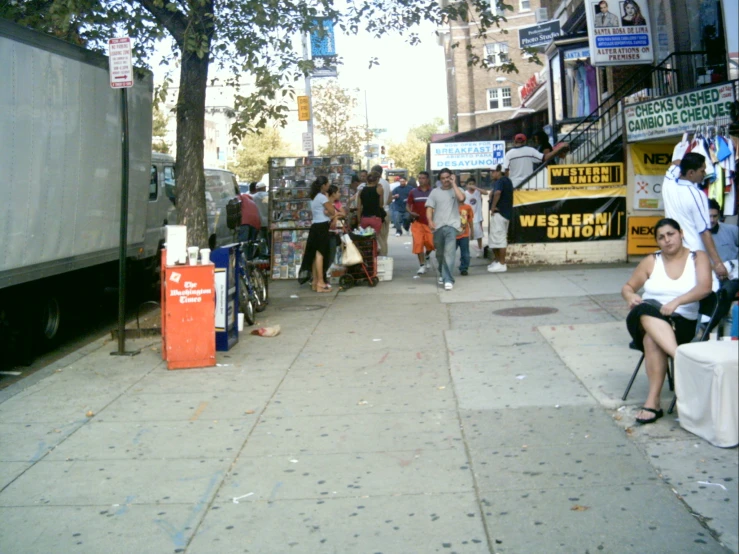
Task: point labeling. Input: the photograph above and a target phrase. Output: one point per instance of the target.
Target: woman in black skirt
(316, 259)
(665, 314)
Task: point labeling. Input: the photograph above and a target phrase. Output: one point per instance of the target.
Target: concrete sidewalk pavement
(392, 419)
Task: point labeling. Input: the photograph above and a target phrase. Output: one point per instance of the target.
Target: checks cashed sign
(467, 155)
(673, 115)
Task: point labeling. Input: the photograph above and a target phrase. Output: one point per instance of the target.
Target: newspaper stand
(367, 270)
(226, 322)
(188, 316)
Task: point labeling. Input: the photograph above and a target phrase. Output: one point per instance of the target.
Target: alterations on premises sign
(618, 32)
(467, 155)
(677, 114)
(539, 35)
(120, 64)
(586, 175)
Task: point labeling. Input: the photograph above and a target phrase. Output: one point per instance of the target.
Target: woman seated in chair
(674, 280)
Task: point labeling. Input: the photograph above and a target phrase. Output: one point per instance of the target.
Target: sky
(407, 89)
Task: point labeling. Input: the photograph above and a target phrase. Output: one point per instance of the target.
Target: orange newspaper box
(188, 316)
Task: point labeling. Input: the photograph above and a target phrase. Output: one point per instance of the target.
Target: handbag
(350, 254)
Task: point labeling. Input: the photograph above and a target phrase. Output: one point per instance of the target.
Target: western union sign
(586, 175)
(303, 108)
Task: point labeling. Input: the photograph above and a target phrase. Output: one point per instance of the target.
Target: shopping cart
(367, 270)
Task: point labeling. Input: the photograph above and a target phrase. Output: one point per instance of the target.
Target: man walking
(442, 212)
(501, 210)
(401, 219)
(521, 160)
(385, 229)
(423, 239)
(687, 205)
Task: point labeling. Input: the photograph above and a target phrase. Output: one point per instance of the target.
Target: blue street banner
(322, 43)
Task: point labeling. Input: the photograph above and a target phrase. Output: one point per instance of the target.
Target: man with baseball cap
(520, 161)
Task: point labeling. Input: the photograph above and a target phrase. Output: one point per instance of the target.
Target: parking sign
(120, 65)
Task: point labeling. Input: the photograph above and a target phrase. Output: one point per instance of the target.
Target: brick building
(478, 95)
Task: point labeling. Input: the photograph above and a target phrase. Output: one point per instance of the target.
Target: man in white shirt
(687, 205)
(385, 229)
(521, 160)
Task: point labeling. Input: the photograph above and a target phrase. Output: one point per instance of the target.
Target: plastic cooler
(385, 268)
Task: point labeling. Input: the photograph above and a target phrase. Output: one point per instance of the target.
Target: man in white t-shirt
(521, 160)
(687, 205)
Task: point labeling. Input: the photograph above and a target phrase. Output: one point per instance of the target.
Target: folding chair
(716, 305)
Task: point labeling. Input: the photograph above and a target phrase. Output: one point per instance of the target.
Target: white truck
(60, 183)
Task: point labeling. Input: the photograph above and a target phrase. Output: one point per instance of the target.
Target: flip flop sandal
(657, 414)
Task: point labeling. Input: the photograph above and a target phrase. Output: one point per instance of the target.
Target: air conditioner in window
(542, 14)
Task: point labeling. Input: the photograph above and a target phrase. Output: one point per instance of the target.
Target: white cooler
(707, 388)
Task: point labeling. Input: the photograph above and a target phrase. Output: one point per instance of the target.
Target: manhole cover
(303, 308)
(525, 312)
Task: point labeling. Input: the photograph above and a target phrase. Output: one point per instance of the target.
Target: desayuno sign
(467, 155)
(678, 114)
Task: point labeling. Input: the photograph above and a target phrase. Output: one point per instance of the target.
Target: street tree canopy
(333, 115)
(243, 38)
(254, 151)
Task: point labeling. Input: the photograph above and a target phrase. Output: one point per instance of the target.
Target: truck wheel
(49, 320)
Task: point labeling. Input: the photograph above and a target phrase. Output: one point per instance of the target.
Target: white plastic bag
(350, 254)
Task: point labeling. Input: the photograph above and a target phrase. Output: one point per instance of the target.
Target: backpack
(233, 214)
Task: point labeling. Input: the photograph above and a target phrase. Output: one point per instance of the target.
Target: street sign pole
(121, 77)
(306, 56)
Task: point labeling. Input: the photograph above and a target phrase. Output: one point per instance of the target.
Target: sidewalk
(399, 419)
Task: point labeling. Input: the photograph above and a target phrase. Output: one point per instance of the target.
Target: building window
(499, 98)
(496, 53)
(496, 9)
(525, 5)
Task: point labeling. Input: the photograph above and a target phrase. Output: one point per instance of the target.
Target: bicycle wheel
(256, 276)
(246, 304)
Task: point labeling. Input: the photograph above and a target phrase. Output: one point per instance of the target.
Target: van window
(221, 184)
(153, 184)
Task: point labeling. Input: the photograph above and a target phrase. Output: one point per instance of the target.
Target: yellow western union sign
(303, 108)
(586, 175)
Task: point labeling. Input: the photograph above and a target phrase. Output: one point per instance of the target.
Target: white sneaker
(448, 286)
(421, 270)
(440, 281)
(479, 254)
(500, 268)
(492, 265)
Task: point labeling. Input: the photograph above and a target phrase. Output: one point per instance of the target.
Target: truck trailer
(60, 190)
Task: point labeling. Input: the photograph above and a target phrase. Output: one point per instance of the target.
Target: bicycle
(253, 289)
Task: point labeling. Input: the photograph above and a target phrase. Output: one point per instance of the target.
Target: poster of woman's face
(632, 13)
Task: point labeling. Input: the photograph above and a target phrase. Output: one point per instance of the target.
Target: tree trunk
(190, 148)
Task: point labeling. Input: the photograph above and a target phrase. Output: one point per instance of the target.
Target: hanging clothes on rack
(592, 82)
(583, 93)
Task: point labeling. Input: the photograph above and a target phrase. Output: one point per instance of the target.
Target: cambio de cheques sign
(677, 113)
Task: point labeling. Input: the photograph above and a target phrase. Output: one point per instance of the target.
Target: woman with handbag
(316, 259)
(369, 204)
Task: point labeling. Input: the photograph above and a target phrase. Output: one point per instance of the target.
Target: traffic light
(382, 150)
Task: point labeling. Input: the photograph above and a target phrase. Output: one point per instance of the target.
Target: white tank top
(663, 289)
